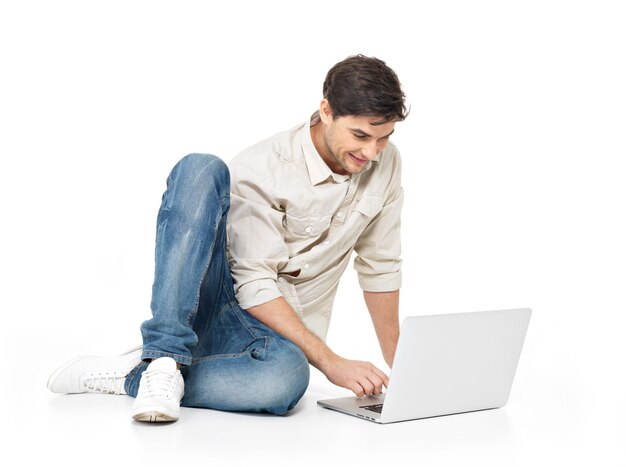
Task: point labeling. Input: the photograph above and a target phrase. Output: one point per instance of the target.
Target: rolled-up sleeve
(378, 249)
(256, 246)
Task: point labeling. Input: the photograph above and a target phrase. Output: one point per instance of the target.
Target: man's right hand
(362, 378)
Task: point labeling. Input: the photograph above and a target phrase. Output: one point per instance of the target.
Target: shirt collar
(318, 170)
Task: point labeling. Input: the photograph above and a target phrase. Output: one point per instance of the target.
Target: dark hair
(362, 86)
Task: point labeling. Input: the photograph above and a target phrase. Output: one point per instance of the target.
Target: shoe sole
(154, 416)
(62, 368)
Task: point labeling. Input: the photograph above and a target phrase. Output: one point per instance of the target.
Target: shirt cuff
(257, 292)
(386, 282)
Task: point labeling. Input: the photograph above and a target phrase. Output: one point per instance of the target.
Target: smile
(357, 160)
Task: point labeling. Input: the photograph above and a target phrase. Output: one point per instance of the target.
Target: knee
(203, 170)
(288, 380)
(198, 183)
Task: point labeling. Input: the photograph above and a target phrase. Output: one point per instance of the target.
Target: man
(241, 300)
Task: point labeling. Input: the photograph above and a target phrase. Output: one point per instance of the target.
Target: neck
(317, 134)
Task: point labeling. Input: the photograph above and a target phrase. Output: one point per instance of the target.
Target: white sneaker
(161, 389)
(94, 374)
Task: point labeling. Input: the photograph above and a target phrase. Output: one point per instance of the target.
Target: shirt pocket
(311, 226)
(369, 206)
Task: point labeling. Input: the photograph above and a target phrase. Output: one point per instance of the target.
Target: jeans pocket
(258, 348)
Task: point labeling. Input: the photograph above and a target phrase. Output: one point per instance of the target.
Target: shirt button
(340, 214)
(307, 266)
(281, 279)
(308, 230)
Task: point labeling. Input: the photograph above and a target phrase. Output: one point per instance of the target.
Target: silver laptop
(446, 364)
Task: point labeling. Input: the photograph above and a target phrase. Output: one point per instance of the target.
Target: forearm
(383, 308)
(360, 377)
(278, 315)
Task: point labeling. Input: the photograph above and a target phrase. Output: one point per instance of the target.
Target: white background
(514, 181)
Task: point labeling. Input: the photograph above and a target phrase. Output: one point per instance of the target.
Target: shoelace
(107, 382)
(159, 383)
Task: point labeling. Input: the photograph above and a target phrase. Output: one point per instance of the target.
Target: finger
(357, 389)
(381, 375)
(377, 383)
(367, 386)
(375, 380)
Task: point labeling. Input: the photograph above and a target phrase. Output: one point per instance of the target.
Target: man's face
(350, 142)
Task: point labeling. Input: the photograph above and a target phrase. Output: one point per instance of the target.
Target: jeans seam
(236, 307)
(224, 204)
(266, 346)
(185, 360)
(194, 312)
(133, 372)
(229, 297)
(215, 357)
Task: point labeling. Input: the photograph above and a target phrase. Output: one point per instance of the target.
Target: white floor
(549, 420)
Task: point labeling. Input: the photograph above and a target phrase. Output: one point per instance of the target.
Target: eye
(361, 137)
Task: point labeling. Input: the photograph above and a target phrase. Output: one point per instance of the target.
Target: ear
(326, 113)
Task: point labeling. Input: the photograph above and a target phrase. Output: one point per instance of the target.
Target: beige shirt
(293, 224)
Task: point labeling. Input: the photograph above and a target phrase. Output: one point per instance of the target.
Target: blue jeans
(231, 360)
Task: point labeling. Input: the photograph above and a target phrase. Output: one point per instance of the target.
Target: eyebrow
(362, 133)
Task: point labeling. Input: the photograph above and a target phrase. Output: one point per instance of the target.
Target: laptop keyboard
(378, 408)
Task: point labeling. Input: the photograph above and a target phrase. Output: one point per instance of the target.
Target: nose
(370, 150)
